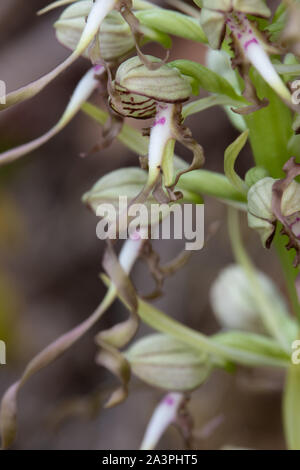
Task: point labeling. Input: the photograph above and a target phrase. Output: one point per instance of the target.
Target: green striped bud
(163, 362)
(115, 37)
(261, 215)
(138, 89)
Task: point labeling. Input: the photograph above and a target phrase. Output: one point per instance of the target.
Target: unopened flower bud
(233, 300)
(260, 215)
(139, 89)
(122, 182)
(115, 37)
(260, 212)
(162, 361)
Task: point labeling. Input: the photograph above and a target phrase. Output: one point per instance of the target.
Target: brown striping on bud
(133, 105)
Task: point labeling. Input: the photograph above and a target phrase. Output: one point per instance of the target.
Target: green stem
(286, 259)
(291, 408)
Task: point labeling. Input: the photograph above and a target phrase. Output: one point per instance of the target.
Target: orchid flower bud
(163, 362)
(140, 89)
(126, 182)
(110, 197)
(115, 37)
(233, 299)
(143, 93)
(261, 216)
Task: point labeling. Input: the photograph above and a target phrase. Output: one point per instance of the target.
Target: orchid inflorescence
(253, 55)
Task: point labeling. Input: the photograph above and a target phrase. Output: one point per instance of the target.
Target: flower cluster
(253, 55)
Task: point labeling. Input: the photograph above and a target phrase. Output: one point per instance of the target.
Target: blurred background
(50, 260)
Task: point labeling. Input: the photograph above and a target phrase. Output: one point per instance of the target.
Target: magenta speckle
(135, 236)
(160, 121)
(98, 68)
(169, 401)
(248, 43)
(239, 36)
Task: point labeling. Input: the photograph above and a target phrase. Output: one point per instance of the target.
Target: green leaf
(231, 154)
(278, 22)
(207, 79)
(270, 129)
(205, 103)
(296, 124)
(151, 34)
(291, 408)
(172, 22)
